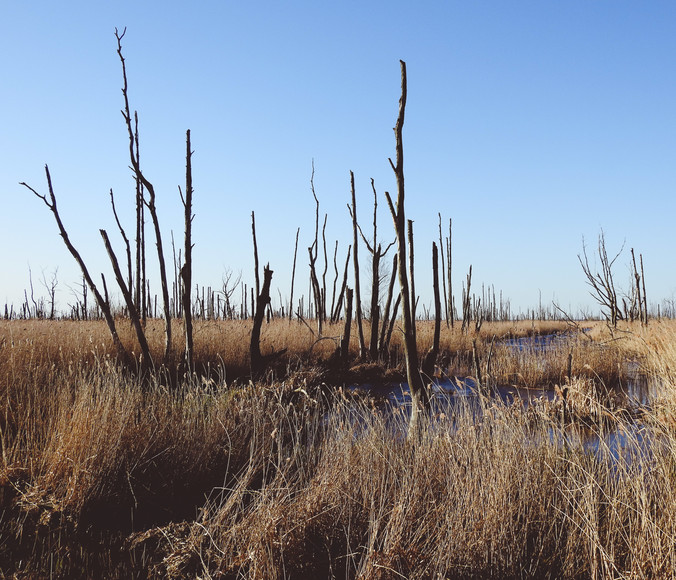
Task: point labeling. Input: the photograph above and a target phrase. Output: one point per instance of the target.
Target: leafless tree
(150, 202)
(399, 217)
(602, 283)
(355, 259)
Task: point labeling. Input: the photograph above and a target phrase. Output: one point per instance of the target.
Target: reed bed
(105, 476)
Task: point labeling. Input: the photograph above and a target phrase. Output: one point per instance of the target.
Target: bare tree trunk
(339, 303)
(390, 328)
(355, 258)
(262, 301)
(316, 290)
(443, 273)
(433, 352)
(186, 270)
(124, 237)
(255, 250)
(313, 251)
(412, 277)
(399, 218)
(147, 361)
(645, 299)
(326, 267)
(104, 305)
(335, 282)
(466, 302)
(449, 258)
(150, 203)
(293, 275)
(388, 304)
(345, 341)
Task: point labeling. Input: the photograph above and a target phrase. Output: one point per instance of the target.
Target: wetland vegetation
(198, 435)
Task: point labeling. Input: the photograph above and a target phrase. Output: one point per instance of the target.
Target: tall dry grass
(103, 476)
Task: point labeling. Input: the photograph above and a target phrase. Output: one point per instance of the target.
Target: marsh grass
(104, 476)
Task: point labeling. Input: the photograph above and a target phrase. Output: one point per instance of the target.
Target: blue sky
(532, 124)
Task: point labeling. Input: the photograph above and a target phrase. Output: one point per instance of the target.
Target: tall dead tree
(186, 270)
(377, 253)
(313, 251)
(255, 252)
(355, 259)
(411, 273)
(293, 274)
(150, 202)
(140, 294)
(443, 273)
(449, 257)
(399, 217)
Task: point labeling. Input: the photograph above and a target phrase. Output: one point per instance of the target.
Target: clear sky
(532, 124)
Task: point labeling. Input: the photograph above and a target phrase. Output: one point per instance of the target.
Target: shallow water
(637, 392)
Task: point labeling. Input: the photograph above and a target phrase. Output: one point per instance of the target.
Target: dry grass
(106, 477)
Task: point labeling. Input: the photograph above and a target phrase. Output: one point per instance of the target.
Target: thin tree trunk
(150, 203)
(262, 301)
(186, 270)
(335, 316)
(388, 304)
(345, 341)
(411, 267)
(443, 273)
(399, 218)
(433, 352)
(355, 257)
(335, 282)
(293, 275)
(147, 361)
(255, 250)
(449, 258)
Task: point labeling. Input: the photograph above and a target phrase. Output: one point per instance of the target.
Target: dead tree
(443, 273)
(399, 219)
(140, 294)
(186, 270)
(382, 346)
(150, 202)
(124, 237)
(467, 302)
(255, 251)
(377, 253)
(262, 300)
(411, 270)
(449, 257)
(103, 304)
(345, 340)
(335, 315)
(432, 354)
(147, 360)
(335, 281)
(355, 259)
(313, 250)
(293, 274)
(602, 283)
